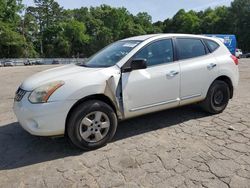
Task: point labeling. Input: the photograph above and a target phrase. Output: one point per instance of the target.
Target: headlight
(42, 93)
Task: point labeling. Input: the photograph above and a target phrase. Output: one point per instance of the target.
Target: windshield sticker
(130, 45)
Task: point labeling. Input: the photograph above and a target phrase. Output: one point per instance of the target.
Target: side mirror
(136, 64)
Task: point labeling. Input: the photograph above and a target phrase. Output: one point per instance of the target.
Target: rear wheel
(92, 125)
(217, 98)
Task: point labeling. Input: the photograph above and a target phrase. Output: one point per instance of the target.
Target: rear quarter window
(212, 46)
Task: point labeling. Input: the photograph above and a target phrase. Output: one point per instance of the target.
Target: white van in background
(238, 53)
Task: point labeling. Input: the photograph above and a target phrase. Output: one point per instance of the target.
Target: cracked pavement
(182, 147)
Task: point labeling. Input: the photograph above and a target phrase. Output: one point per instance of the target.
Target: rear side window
(157, 53)
(212, 45)
(190, 48)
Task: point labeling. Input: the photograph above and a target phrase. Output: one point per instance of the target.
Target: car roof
(145, 37)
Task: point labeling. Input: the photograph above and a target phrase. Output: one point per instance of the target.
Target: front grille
(19, 94)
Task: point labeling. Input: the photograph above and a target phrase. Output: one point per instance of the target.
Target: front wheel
(92, 125)
(217, 97)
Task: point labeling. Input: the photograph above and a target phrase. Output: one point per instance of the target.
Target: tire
(91, 125)
(217, 97)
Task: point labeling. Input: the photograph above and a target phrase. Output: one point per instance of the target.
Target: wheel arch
(101, 97)
(227, 80)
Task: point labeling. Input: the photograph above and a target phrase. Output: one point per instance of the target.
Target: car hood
(55, 74)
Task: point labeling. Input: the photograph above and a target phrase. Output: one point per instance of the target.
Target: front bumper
(46, 119)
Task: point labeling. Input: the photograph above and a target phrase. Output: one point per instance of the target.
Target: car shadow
(18, 148)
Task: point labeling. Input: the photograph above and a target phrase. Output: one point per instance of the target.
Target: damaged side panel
(113, 90)
(104, 82)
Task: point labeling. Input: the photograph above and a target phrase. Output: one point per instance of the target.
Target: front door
(156, 87)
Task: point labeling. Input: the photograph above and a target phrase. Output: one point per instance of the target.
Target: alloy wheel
(94, 126)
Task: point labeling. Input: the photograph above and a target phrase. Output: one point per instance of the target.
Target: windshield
(110, 55)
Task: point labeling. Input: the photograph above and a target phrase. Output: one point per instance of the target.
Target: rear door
(198, 69)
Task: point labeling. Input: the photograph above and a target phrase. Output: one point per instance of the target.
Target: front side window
(156, 53)
(190, 48)
(111, 55)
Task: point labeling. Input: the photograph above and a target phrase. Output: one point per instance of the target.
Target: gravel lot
(181, 147)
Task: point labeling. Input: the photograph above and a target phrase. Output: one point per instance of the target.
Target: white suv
(131, 77)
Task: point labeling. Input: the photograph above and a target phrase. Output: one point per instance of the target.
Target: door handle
(172, 73)
(211, 66)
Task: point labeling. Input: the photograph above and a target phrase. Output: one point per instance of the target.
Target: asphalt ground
(182, 147)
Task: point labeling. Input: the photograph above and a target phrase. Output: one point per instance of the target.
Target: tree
(13, 44)
(215, 20)
(12, 41)
(66, 39)
(106, 24)
(51, 31)
(158, 27)
(47, 13)
(183, 22)
(9, 10)
(75, 32)
(240, 14)
(145, 21)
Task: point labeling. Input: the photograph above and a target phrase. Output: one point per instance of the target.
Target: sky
(158, 9)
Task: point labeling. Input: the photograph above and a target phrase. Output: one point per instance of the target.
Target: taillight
(236, 61)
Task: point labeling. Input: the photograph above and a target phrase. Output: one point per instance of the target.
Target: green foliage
(240, 13)
(48, 30)
(215, 21)
(184, 22)
(13, 44)
(9, 10)
(65, 39)
(221, 20)
(105, 25)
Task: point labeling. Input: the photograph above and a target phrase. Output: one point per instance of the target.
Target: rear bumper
(46, 119)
